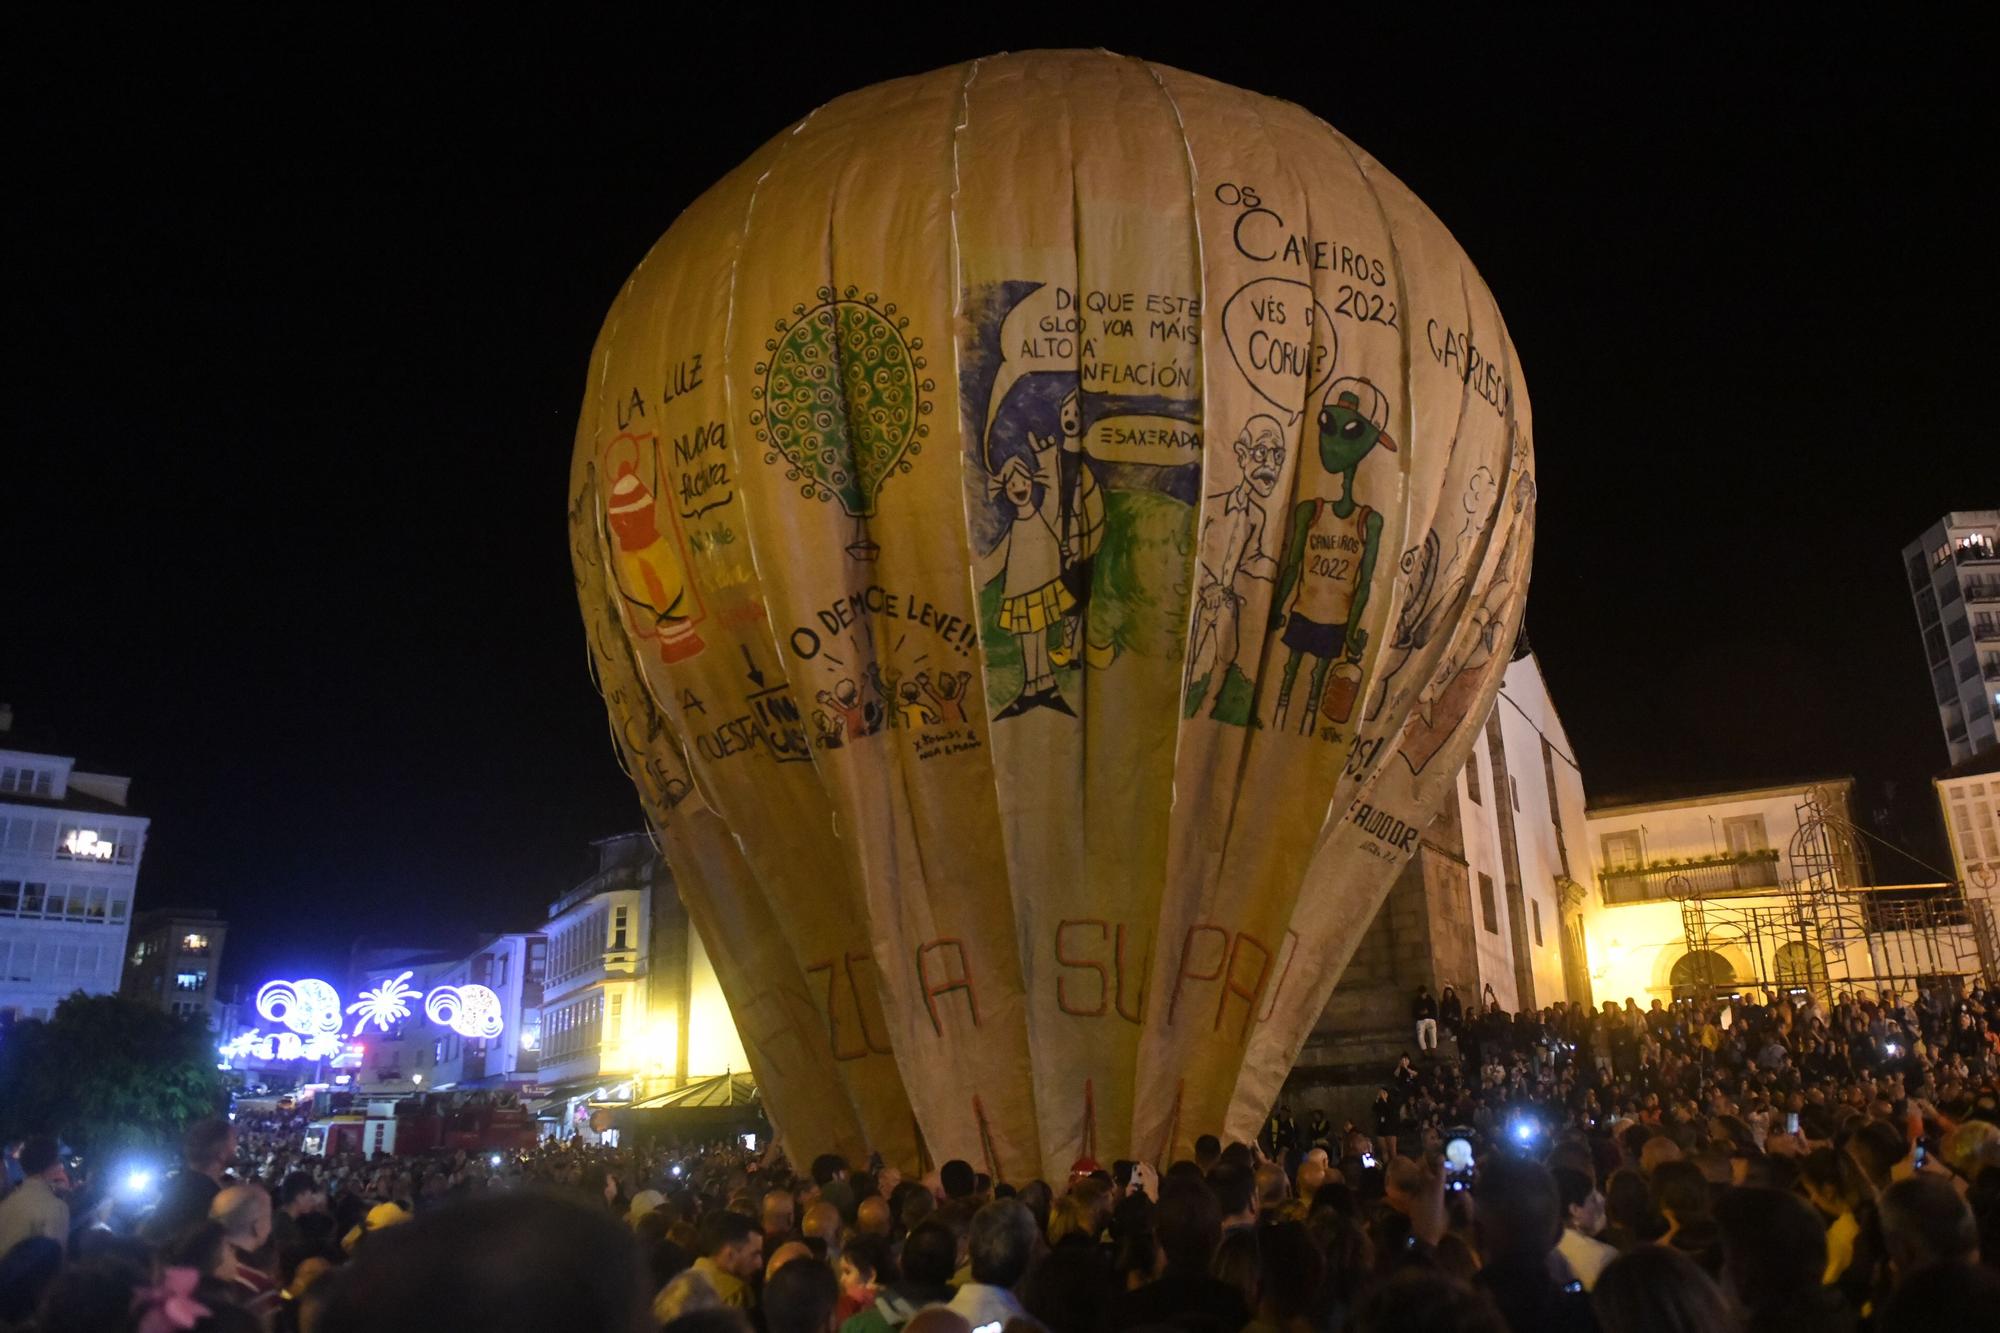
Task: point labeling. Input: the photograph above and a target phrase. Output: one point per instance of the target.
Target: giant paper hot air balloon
(1048, 530)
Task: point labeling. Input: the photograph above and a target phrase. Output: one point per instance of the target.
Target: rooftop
(1687, 793)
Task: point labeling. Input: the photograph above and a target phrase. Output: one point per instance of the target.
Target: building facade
(1523, 894)
(1491, 905)
(1969, 799)
(1765, 890)
(70, 849)
(513, 968)
(174, 962)
(1953, 571)
(630, 1004)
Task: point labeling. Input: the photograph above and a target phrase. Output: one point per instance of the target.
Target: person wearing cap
(1330, 553)
(645, 1201)
(380, 1217)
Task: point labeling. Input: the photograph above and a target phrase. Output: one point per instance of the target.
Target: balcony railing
(1977, 591)
(1708, 877)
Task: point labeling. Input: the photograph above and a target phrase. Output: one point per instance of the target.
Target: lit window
(85, 845)
(192, 943)
(190, 981)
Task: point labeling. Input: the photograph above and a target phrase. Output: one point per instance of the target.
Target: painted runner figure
(1330, 552)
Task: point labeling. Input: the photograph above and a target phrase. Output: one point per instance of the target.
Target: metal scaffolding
(1834, 931)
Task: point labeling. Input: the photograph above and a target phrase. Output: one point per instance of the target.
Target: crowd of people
(1748, 1166)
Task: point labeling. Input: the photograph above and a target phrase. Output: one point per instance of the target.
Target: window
(1957, 629)
(1744, 834)
(1489, 910)
(619, 921)
(1621, 850)
(617, 1023)
(77, 843)
(194, 943)
(1927, 605)
(1702, 970)
(1472, 778)
(31, 899)
(10, 896)
(1535, 910)
(1968, 667)
(190, 981)
(27, 781)
(1934, 649)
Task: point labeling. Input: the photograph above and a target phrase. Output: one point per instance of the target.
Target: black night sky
(299, 327)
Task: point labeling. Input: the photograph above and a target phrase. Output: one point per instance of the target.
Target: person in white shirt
(1583, 1218)
(36, 1208)
(1002, 1244)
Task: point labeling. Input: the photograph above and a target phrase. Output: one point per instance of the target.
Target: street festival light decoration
(1069, 701)
(311, 1010)
(385, 1004)
(309, 1007)
(471, 1011)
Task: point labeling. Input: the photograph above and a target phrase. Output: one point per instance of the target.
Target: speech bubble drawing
(1282, 339)
(1162, 441)
(1043, 332)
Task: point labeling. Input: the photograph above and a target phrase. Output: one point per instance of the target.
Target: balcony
(1978, 590)
(1708, 876)
(1973, 551)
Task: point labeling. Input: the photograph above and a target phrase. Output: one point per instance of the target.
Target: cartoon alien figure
(1330, 551)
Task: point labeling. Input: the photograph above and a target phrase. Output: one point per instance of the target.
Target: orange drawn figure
(652, 577)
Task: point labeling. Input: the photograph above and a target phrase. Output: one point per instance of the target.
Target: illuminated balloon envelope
(1107, 496)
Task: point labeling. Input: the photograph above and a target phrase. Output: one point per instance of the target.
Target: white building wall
(1634, 945)
(1529, 727)
(1493, 936)
(1971, 809)
(68, 872)
(1953, 572)
(714, 1047)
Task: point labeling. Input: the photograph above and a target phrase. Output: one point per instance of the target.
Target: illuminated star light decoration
(309, 1007)
(384, 1005)
(471, 1011)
